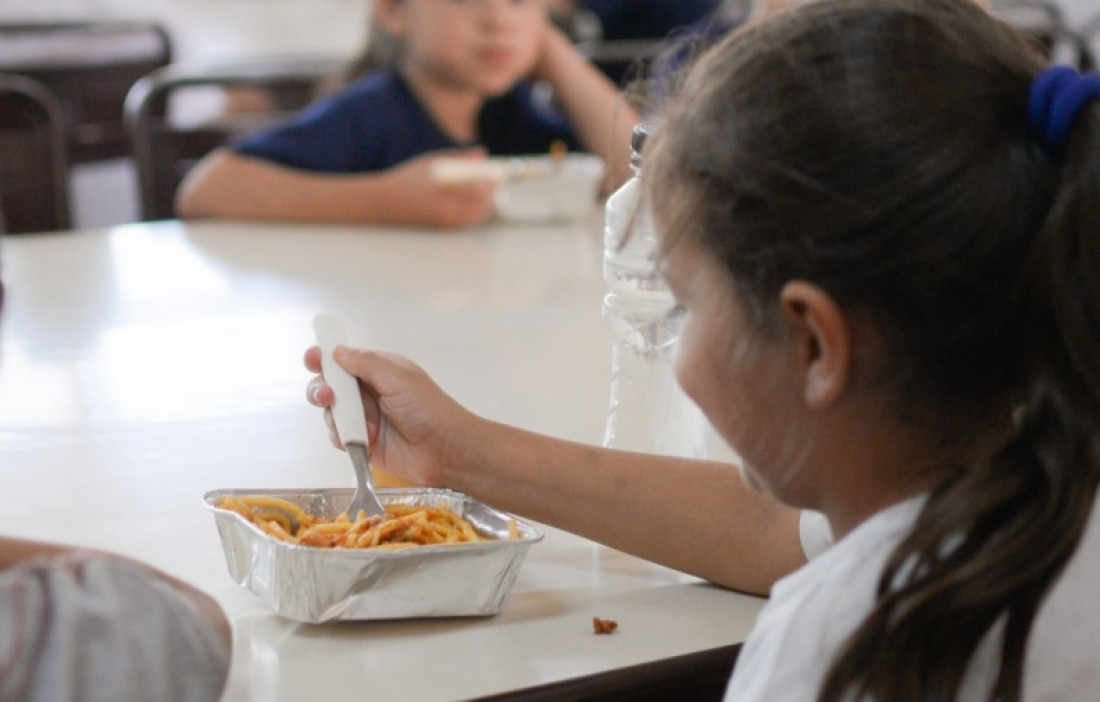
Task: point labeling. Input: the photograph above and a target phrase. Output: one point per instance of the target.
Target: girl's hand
(416, 431)
(426, 201)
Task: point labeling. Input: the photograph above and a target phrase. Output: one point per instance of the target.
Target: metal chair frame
(163, 151)
(89, 67)
(34, 180)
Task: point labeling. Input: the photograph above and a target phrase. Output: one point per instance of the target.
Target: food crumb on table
(604, 626)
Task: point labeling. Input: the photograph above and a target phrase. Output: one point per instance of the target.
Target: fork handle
(347, 405)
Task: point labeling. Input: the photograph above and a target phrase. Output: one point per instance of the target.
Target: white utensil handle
(458, 170)
(347, 407)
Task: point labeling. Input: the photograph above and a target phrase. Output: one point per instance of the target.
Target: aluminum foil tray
(316, 585)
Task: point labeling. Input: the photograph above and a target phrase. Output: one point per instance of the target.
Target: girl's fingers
(313, 359)
(333, 436)
(318, 393)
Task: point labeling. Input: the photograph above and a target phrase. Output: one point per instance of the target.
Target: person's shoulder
(382, 85)
(372, 83)
(843, 578)
(372, 102)
(382, 92)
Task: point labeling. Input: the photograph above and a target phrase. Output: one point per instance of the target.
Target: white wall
(218, 29)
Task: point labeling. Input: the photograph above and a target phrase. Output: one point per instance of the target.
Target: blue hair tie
(1057, 96)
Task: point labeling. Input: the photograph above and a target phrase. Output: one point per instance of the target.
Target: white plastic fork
(348, 415)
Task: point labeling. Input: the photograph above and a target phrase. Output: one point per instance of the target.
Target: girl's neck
(453, 108)
(865, 470)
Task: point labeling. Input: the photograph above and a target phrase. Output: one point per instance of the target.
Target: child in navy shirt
(460, 87)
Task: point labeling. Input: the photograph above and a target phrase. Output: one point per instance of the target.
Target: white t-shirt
(814, 532)
(813, 611)
(90, 628)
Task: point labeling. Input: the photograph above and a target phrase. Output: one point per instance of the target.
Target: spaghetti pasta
(404, 526)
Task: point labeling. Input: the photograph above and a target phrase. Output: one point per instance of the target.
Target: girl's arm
(596, 106)
(693, 516)
(698, 517)
(227, 184)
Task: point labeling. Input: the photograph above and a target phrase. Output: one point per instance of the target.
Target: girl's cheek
(686, 366)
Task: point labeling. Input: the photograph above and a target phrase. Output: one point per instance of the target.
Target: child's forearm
(232, 186)
(229, 185)
(696, 517)
(603, 118)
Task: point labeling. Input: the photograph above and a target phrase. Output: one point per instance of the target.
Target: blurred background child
(460, 85)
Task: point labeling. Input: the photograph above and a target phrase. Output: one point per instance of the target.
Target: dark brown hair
(880, 150)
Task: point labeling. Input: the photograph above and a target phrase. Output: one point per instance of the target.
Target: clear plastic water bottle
(648, 411)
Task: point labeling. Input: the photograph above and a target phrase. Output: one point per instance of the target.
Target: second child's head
(480, 46)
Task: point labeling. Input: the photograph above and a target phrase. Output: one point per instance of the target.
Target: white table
(147, 364)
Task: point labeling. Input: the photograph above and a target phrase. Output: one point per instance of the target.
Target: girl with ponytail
(882, 220)
(901, 205)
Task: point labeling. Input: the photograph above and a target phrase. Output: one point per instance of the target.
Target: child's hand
(428, 201)
(416, 430)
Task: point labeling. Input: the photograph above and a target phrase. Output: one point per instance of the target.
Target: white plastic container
(556, 190)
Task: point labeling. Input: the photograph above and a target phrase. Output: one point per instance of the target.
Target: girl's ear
(822, 341)
(389, 15)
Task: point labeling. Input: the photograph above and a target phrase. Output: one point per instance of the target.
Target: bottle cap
(637, 143)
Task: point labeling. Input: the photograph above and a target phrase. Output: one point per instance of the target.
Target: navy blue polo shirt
(377, 122)
(648, 19)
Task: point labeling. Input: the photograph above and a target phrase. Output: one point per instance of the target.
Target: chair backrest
(165, 150)
(34, 180)
(89, 67)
